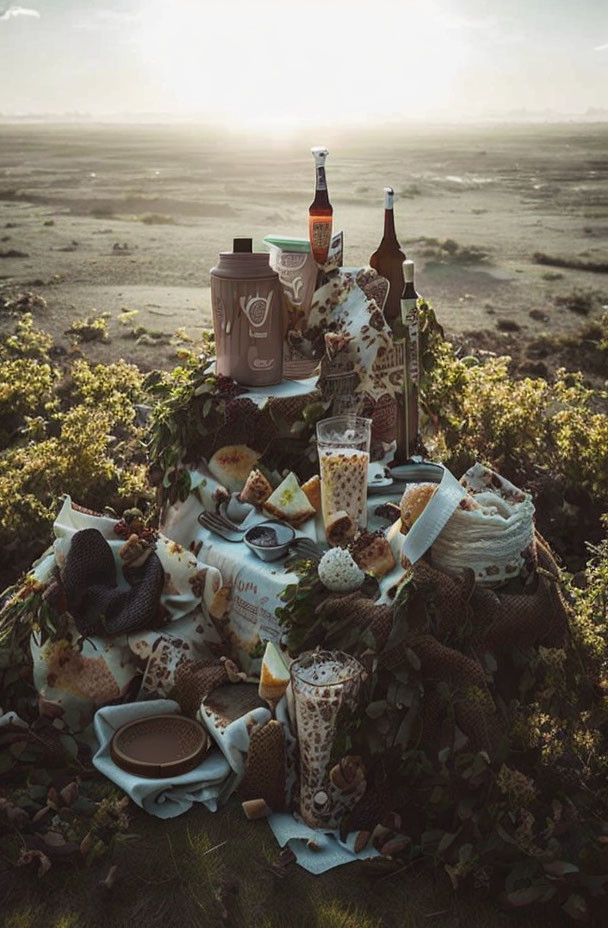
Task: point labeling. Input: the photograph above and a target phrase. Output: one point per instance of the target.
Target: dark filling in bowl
(263, 537)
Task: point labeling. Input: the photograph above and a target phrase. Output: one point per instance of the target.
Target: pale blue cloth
(329, 850)
(165, 798)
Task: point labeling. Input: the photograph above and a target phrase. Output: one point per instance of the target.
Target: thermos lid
(288, 244)
(244, 265)
(242, 245)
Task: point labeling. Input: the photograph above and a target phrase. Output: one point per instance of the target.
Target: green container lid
(288, 244)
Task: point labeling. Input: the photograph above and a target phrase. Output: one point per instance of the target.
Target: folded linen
(164, 798)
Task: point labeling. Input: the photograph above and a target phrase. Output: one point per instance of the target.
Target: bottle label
(321, 181)
(409, 317)
(384, 419)
(320, 234)
(391, 362)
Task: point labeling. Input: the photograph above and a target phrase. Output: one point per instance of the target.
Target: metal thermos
(246, 300)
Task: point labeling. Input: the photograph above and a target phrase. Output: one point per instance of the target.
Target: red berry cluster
(227, 387)
(122, 530)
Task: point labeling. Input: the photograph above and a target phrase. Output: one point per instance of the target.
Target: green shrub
(525, 428)
(64, 431)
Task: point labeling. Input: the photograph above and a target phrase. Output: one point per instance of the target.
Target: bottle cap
(320, 154)
(389, 193)
(242, 245)
(408, 271)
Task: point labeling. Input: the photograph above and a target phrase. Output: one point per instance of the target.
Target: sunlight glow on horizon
(281, 67)
(278, 64)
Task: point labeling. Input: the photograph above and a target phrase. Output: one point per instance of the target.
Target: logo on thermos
(256, 308)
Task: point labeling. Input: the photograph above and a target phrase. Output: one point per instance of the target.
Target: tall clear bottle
(388, 259)
(320, 213)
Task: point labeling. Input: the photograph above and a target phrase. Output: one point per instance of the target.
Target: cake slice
(340, 529)
(257, 489)
(312, 489)
(289, 503)
(373, 553)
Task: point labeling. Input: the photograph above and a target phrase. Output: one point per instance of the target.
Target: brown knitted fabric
(365, 613)
(265, 769)
(450, 597)
(286, 409)
(371, 808)
(525, 615)
(433, 712)
(528, 619)
(247, 424)
(89, 579)
(194, 680)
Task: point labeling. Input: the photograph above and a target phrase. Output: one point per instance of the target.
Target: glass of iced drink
(323, 682)
(343, 445)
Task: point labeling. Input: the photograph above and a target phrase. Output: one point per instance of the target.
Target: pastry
(312, 489)
(372, 552)
(340, 529)
(274, 675)
(289, 502)
(257, 489)
(232, 465)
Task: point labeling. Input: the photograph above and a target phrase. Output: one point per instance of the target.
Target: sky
(291, 63)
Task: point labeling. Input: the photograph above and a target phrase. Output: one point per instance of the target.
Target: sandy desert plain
(107, 219)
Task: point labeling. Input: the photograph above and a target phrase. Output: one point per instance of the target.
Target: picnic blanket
(117, 627)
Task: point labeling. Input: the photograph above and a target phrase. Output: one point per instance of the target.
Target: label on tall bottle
(319, 230)
(321, 179)
(409, 317)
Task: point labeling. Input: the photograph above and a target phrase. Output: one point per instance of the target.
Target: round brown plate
(159, 746)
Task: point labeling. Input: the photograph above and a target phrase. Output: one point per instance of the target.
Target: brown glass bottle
(408, 410)
(388, 260)
(320, 213)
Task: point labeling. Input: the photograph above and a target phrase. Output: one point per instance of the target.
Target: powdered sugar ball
(339, 572)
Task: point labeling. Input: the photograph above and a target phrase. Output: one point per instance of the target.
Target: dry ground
(72, 197)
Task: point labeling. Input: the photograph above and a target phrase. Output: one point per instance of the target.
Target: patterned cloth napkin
(82, 674)
(495, 539)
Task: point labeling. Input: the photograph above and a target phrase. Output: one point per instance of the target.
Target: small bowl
(285, 535)
(236, 510)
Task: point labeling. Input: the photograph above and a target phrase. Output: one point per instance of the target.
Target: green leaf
(530, 895)
(376, 709)
(430, 839)
(413, 658)
(560, 868)
(446, 842)
(576, 907)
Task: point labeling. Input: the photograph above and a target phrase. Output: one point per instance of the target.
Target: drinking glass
(343, 446)
(322, 683)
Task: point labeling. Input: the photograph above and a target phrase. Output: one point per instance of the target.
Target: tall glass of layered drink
(323, 683)
(343, 445)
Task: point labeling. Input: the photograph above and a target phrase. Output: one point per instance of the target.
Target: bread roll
(413, 503)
